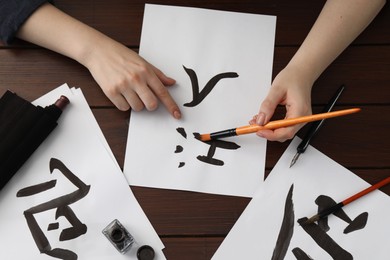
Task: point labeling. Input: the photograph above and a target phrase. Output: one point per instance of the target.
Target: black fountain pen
(315, 126)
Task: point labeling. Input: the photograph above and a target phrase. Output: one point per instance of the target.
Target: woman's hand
(293, 91)
(127, 79)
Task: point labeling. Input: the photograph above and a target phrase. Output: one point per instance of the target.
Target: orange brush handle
(294, 121)
(368, 190)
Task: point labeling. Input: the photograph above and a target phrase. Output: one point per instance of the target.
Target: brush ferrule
(224, 133)
(330, 210)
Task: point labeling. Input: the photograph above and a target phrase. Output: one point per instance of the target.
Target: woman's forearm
(125, 77)
(53, 29)
(338, 24)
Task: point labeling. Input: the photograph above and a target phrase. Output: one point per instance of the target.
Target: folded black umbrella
(23, 127)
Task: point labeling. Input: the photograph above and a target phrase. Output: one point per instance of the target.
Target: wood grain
(192, 225)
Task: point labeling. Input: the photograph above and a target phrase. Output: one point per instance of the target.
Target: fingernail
(260, 119)
(176, 114)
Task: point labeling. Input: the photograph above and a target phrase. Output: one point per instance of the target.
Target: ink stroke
(273, 224)
(218, 56)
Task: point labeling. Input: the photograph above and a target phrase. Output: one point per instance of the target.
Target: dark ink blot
(324, 240)
(181, 164)
(213, 145)
(197, 97)
(300, 254)
(179, 149)
(286, 229)
(62, 204)
(358, 223)
(196, 136)
(181, 131)
(53, 226)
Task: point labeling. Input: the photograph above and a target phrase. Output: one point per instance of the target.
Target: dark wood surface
(192, 225)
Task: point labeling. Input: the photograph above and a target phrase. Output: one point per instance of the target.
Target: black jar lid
(145, 253)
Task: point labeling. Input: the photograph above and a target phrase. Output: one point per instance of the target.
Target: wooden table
(192, 225)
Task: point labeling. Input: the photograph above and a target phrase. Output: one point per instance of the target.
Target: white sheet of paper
(77, 143)
(255, 233)
(209, 42)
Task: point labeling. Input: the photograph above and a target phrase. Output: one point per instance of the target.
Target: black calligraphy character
(198, 96)
(213, 145)
(62, 204)
(318, 231)
(325, 202)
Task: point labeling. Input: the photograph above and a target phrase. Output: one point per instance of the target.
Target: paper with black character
(222, 64)
(70, 189)
(269, 228)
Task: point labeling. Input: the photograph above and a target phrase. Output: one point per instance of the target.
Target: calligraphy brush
(339, 205)
(275, 124)
(315, 127)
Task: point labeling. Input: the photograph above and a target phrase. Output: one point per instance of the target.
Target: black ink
(324, 241)
(318, 231)
(119, 236)
(358, 223)
(196, 136)
(62, 204)
(36, 189)
(324, 202)
(62, 254)
(179, 149)
(286, 229)
(300, 254)
(53, 226)
(181, 131)
(77, 228)
(197, 97)
(213, 145)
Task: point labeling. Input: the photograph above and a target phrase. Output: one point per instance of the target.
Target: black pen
(316, 126)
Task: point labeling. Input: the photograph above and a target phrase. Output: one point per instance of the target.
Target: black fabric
(23, 127)
(13, 13)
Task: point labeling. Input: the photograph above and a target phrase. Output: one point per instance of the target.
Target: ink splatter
(179, 149)
(197, 97)
(286, 229)
(181, 164)
(182, 131)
